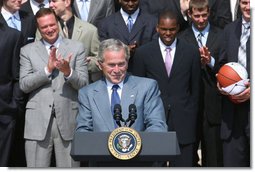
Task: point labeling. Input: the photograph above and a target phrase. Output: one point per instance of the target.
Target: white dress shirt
(163, 49)
(109, 89)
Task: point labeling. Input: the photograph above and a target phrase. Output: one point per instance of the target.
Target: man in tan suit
(79, 30)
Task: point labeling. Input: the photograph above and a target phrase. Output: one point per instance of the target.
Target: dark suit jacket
(211, 97)
(234, 113)
(180, 91)
(115, 27)
(28, 26)
(10, 43)
(12, 104)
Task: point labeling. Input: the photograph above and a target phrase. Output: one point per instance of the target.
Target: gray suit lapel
(63, 48)
(128, 96)
(101, 100)
(42, 52)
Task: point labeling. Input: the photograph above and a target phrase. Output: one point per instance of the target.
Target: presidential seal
(124, 143)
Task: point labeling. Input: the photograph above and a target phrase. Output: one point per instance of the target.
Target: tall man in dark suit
(207, 38)
(52, 70)
(117, 25)
(235, 126)
(179, 85)
(10, 93)
(13, 17)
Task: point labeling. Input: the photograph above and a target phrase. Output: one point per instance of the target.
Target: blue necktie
(130, 23)
(13, 22)
(199, 39)
(115, 99)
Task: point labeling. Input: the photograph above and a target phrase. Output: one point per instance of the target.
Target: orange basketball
(231, 73)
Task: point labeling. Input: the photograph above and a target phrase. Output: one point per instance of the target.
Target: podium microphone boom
(132, 114)
(117, 114)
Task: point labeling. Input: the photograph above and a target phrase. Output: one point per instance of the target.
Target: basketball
(232, 77)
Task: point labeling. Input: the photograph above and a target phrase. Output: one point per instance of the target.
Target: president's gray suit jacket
(44, 91)
(95, 112)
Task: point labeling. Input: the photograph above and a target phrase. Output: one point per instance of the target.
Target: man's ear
(157, 29)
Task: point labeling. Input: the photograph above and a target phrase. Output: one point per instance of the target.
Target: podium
(93, 146)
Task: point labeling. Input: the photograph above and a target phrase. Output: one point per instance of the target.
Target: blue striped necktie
(242, 48)
(130, 23)
(13, 22)
(115, 99)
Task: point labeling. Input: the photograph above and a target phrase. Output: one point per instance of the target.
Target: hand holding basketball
(232, 78)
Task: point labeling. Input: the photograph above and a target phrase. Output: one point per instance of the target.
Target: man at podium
(108, 103)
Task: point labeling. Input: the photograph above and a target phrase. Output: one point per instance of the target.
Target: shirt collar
(204, 32)
(163, 46)
(56, 44)
(126, 15)
(6, 14)
(245, 23)
(109, 84)
(69, 22)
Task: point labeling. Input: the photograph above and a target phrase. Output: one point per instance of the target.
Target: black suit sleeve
(138, 68)
(18, 95)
